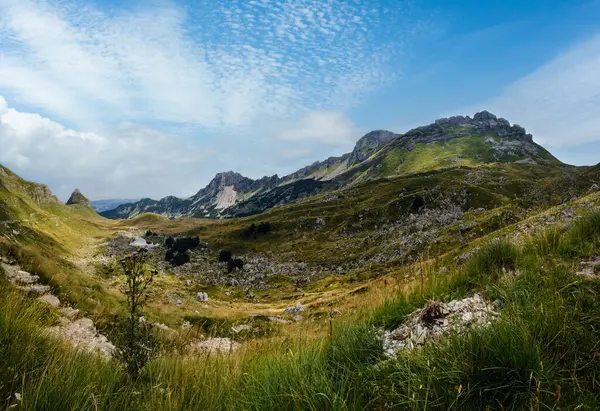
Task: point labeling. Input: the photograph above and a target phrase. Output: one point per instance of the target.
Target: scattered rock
(297, 318)
(201, 296)
(590, 268)
(241, 327)
(279, 320)
(82, 334)
(437, 319)
(319, 223)
(299, 308)
(219, 345)
(161, 326)
(593, 188)
(50, 299)
(140, 242)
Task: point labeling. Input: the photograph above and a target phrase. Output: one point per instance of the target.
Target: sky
(152, 98)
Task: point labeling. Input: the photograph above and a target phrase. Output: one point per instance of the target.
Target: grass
(541, 353)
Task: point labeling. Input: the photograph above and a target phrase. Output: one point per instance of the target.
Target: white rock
(50, 299)
(219, 345)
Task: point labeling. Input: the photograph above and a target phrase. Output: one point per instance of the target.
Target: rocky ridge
(230, 194)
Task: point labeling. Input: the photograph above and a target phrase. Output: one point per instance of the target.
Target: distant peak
(78, 198)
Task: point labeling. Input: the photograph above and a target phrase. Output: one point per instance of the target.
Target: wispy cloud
(153, 99)
(217, 66)
(559, 102)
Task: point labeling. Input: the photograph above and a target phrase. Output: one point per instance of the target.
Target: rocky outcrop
(39, 193)
(78, 198)
(483, 122)
(369, 144)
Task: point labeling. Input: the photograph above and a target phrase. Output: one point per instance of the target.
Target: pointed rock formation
(78, 198)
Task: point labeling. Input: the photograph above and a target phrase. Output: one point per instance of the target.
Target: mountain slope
(112, 203)
(446, 143)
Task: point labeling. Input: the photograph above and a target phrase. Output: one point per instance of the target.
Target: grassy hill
(421, 221)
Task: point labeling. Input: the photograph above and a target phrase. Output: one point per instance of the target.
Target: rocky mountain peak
(482, 122)
(369, 143)
(228, 178)
(78, 198)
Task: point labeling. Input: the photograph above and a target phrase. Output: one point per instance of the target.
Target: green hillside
(468, 218)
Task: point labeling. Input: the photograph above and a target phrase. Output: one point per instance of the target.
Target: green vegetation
(518, 234)
(538, 354)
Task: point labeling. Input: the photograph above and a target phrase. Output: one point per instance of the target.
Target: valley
(463, 218)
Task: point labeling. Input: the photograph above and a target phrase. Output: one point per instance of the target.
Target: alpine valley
(455, 266)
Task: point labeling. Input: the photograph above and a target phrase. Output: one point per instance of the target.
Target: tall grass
(542, 352)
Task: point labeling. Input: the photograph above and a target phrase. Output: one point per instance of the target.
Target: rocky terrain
(71, 326)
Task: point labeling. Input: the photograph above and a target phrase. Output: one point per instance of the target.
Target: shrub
(417, 203)
(180, 259)
(134, 344)
(234, 263)
(264, 228)
(184, 244)
(224, 256)
(169, 242)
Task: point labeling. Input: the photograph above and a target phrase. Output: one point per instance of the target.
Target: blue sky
(134, 99)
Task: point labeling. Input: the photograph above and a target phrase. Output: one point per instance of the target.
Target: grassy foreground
(543, 352)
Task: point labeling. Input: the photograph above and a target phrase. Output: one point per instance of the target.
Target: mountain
(459, 141)
(78, 199)
(111, 203)
(29, 212)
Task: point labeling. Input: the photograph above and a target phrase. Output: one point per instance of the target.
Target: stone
(241, 327)
(216, 345)
(298, 308)
(200, 296)
(436, 320)
(50, 299)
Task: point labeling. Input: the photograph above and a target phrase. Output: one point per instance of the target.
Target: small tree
(135, 343)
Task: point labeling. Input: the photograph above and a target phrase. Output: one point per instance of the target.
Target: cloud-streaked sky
(136, 99)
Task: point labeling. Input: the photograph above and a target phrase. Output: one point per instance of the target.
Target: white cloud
(559, 103)
(132, 161)
(104, 81)
(3, 106)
